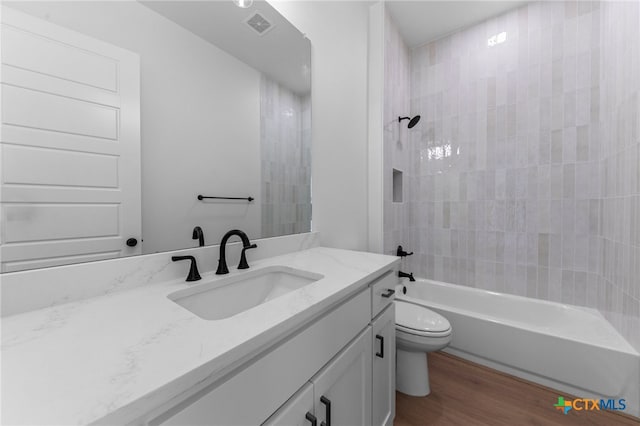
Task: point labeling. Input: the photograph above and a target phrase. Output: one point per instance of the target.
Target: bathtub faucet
(405, 275)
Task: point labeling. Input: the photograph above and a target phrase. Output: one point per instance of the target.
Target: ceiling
(283, 53)
(420, 22)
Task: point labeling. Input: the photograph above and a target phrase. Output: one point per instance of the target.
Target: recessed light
(243, 3)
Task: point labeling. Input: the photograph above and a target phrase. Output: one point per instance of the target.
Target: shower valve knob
(402, 253)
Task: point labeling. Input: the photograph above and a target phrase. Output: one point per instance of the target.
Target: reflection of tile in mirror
(285, 144)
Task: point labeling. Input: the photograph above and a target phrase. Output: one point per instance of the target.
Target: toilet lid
(416, 318)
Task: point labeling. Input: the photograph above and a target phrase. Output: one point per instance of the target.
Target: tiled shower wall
(505, 167)
(619, 285)
(285, 144)
(523, 174)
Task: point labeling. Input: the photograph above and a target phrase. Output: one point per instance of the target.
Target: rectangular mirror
(116, 116)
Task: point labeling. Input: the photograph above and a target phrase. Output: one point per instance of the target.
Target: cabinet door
(342, 389)
(297, 411)
(384, 368)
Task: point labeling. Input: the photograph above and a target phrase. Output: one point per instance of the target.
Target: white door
(342, 390)
(70, 146)
(297, 411)
(384, 368)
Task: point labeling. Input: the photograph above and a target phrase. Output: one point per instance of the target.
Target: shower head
(412, 121)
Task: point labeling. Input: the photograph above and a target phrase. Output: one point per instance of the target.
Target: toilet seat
(413, 332)
(420, 321)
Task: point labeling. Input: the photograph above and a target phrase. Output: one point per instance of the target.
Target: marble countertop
(113, 358)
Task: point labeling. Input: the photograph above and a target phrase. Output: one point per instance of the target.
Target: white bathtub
(572, 349)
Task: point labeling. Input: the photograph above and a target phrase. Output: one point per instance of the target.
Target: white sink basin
(229, 296)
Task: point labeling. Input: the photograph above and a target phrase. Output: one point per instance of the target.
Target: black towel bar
(249, 199)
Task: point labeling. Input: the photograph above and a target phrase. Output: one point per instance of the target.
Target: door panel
(42, 222)
(33, 166)
(45, 55)
(346, 384)
(384, 368)
(52, 112)
(70, 146)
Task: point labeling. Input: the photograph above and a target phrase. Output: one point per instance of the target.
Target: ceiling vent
(259, 24)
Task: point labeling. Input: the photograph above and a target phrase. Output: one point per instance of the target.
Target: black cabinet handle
(389, 293)
(311, 418)
(327, 403)
(381, 353)
(132, 242)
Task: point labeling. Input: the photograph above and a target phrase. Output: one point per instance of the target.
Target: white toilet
(418, 331)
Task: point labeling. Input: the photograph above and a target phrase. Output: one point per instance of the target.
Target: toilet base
(412, 373)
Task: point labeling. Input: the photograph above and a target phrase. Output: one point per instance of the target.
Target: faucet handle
(194, 275)
(243, 258)
(401, 253)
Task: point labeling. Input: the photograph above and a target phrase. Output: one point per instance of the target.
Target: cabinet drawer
(381, 288)
(256, 392)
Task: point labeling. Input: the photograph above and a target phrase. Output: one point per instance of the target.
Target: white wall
(338, 32)
(200, 112)
(376, 126)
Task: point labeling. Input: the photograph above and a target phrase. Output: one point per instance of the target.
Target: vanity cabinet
(342, 389)
(383, 292)
(298, 411)
(252, 392)
(325, 372)
(384, 367)
(383, 330)
(339, 394)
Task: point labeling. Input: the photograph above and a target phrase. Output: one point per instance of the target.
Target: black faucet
(222, 262)
(405, 275)
(402, 253)
(194, 275)
(198, 235)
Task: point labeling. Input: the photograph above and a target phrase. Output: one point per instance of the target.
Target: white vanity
(323, 370)
(323, 353)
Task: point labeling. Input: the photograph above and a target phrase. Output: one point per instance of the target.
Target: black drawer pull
(389, 293)
(326, 402)
(381, 353)
(311, 418)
